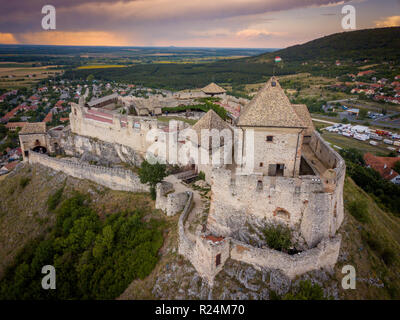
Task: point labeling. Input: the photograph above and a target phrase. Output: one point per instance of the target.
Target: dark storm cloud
(73, 15)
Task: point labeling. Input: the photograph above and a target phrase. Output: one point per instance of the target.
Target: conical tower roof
(270, 107)
(213, 88)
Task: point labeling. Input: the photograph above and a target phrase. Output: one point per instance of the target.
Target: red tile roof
(48, 117)
(13, 125)
(12, 113)
(11, 165)
(384, 165)
(214, 238)
(363, 73)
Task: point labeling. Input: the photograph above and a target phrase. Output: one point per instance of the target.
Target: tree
(362, 114)
(90, 78)
(396, 166)
(152, 174)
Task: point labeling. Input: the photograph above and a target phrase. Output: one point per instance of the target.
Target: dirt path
(198, 205)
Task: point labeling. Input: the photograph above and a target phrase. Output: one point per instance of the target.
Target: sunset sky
(187, 23)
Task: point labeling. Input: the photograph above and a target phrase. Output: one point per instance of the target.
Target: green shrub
(199, 107)
(201, 176)
(153, 193)
(388, 256)
(385, 253)
(278, 237)
(359, 210)
(54, 199)
(24, 182)
(306, 291)
(372, 242)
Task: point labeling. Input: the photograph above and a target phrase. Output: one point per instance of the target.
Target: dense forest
(94, 259)
(372, 44)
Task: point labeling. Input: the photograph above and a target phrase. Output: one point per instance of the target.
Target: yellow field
(102, 66)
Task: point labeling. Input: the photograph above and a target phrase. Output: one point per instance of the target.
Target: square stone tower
(272, 133)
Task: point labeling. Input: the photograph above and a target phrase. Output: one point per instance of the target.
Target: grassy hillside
(98, 239)
(372, 247)
(370, 242)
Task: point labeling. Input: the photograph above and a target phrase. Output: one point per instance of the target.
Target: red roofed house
(14, 125)
(9, 166)
(12, 113)
(384, 165)
(33, 98)
(365, 73)
(59, 103)
(49, 117)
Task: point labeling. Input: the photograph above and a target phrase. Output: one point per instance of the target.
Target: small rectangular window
(218, 260)
(261, 164)
(270, 138)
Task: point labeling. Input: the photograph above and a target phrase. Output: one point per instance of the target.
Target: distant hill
(381, 44)
(376, 45)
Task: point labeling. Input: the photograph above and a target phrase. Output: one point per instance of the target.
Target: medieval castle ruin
(288, 175)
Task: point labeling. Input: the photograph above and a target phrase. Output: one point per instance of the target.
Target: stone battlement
(113, 178)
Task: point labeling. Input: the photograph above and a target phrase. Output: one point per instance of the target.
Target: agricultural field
(14, 76)
(101, 66)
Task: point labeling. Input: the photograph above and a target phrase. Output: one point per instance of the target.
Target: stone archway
(40, 149)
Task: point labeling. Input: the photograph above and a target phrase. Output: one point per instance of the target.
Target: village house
(12, 126)
(384, 165)
(365, 73)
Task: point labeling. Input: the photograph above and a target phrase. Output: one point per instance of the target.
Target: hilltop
(372, 44)
(375, 45)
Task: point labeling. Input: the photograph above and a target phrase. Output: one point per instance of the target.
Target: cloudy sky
(189, 23)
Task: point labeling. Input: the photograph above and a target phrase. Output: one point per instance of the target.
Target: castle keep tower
(278, 133)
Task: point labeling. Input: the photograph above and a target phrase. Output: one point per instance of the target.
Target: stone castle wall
(332, 160)
(323, 256)
(186, 246)
(168, 201)
(98, 150)
(302, 203)
(116, 129)
(113, 178)
(131, 131)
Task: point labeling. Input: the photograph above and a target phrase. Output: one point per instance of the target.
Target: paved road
(342, 100)
(324, 121)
